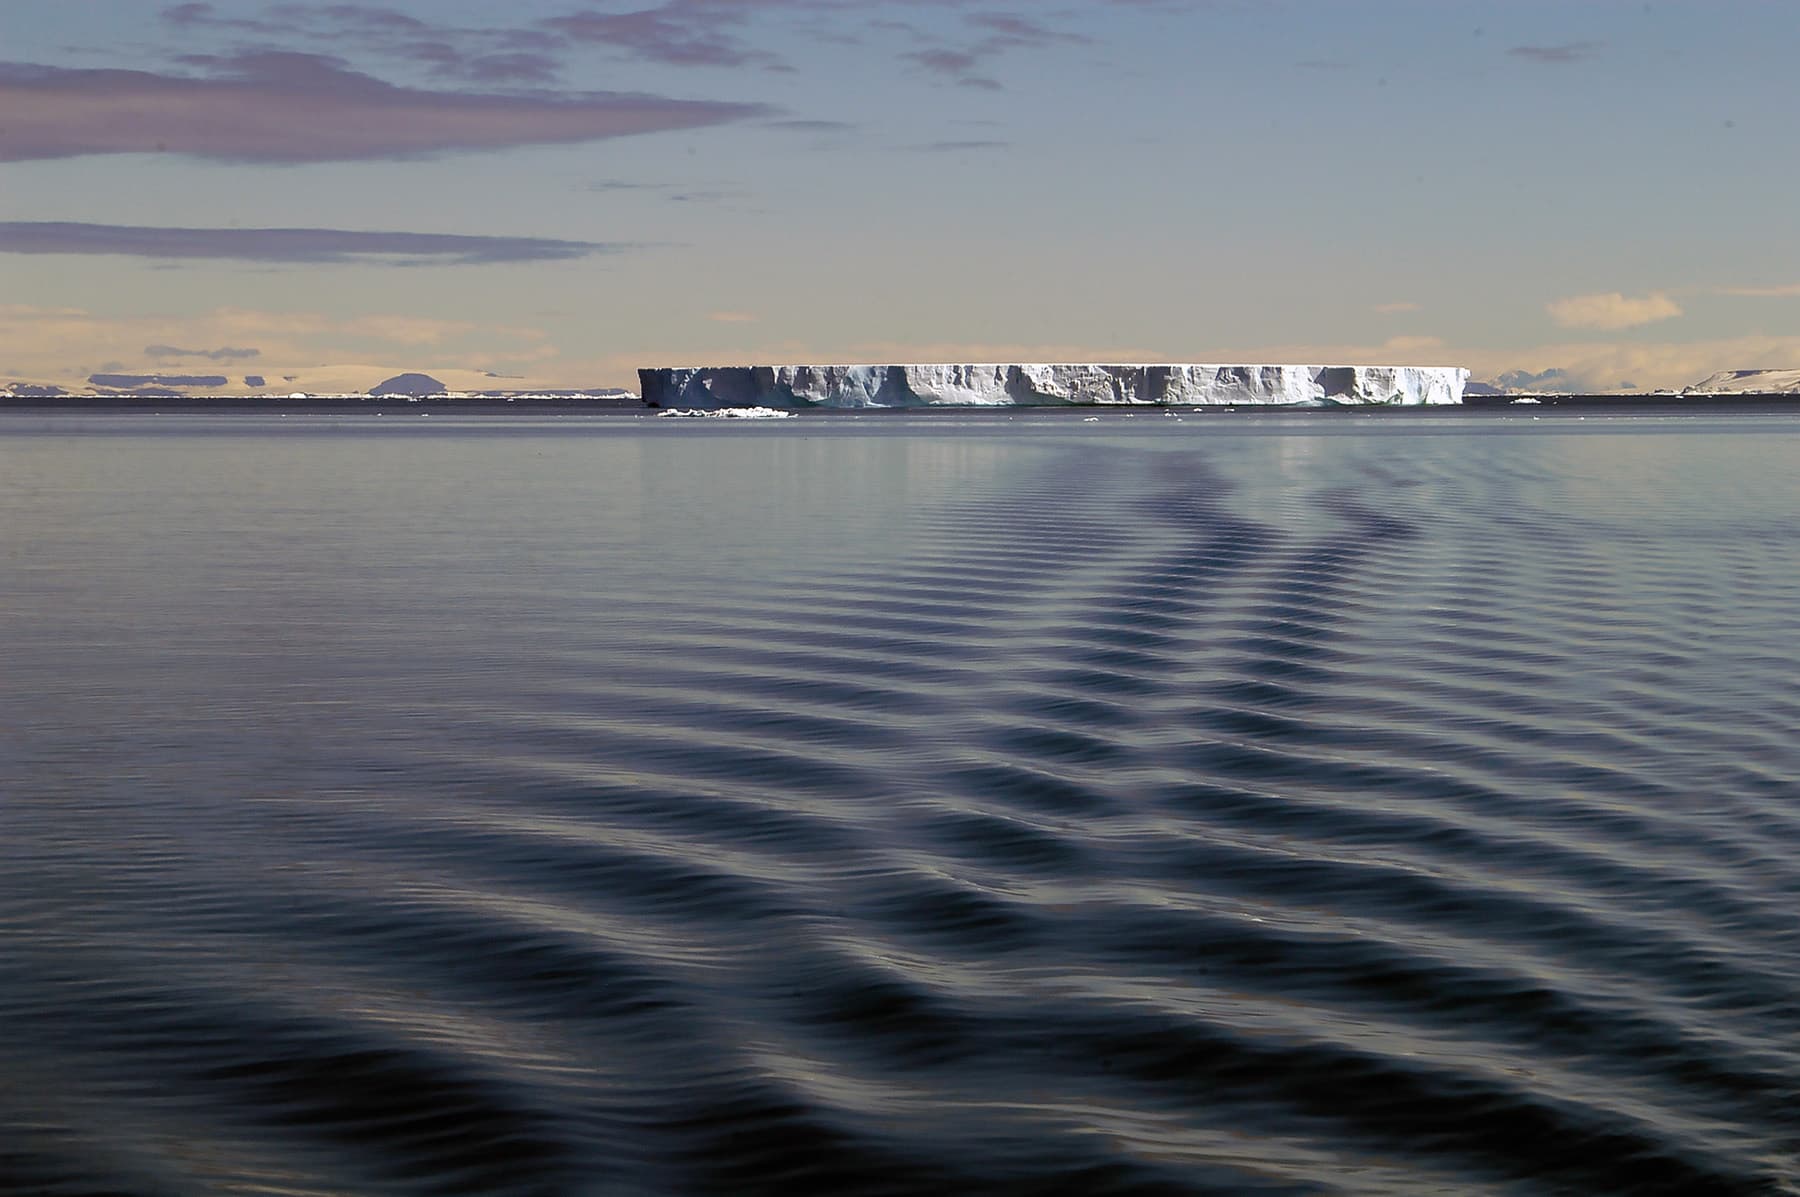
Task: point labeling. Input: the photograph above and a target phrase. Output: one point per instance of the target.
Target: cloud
(966, 63)
(706, 33)
(1405, 347)
(731, 317)
(1010, 29)
(193, 16)
(810, 126)
(954, 147)
(712, 33)
(480, 55)
(1567, 52)
(1396, 308)
(225, 354)
(1780, 291)
(517, 66)
(313, 246)
(680, 33)
(1612, 311)
(275, 107)
(699, 192)
(627, 185)
(958, 66)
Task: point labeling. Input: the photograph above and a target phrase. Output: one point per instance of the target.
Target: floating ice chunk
(729, 413)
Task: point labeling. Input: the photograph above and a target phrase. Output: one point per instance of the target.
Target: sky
(1598, 194)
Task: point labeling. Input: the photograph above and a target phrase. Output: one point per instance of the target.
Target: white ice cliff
(711, 387)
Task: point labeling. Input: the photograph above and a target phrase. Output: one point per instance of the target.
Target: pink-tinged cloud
(1612, 311)
(318, 246)
(290, 108)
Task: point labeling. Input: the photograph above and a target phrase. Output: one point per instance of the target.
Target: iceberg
(1043, 385)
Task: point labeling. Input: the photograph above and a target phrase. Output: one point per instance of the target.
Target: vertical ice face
(1045, 384)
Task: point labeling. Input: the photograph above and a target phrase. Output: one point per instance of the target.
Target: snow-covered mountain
(1748, 382)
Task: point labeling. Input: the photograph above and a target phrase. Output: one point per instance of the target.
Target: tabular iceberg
(1043, 385)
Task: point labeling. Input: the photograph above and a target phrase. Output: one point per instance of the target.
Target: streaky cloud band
(278, 107)
(312, 246)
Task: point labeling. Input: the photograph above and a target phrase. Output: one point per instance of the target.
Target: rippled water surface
(1284, 805)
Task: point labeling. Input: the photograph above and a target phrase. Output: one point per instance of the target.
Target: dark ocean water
(1276, 805)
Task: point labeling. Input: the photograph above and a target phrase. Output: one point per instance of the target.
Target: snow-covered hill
(1748, 382)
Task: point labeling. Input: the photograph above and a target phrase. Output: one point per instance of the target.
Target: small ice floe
(729, 413)
(1091, 420)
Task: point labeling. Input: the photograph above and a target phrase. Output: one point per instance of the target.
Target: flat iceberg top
(1047, 384)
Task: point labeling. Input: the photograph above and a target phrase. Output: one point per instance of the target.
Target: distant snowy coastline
(214, 390)
(1748, 382)
(53, 395)
(714, 388)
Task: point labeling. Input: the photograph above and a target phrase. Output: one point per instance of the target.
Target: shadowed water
(1297, 805)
